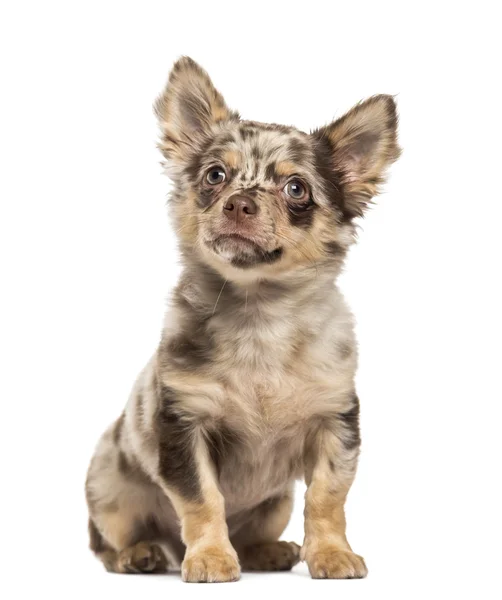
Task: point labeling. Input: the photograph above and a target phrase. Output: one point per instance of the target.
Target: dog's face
(255, 200)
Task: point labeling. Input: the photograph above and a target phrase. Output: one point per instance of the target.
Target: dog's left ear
(361, 145)
(187, 110)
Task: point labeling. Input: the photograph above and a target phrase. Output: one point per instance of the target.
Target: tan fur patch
(285, 168)
(232, 159)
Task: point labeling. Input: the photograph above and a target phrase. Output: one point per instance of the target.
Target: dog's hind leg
(257, 540)
(142, 557)
(132, 525)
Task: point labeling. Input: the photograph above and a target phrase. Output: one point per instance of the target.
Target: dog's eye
(215, 176)
(296, 190)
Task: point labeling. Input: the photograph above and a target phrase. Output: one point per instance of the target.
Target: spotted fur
(252, 385)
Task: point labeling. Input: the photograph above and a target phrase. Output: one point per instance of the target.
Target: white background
(88, 259)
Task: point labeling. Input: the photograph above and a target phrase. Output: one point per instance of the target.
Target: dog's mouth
(242, 251)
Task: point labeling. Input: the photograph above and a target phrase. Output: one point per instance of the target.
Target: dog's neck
(207, 291)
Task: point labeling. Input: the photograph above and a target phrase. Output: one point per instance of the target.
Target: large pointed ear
(187, 109)
(362, 144)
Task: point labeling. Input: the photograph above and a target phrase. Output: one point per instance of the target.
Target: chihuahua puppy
(252, 385)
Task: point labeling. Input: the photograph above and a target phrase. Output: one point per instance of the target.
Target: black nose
(240, 207)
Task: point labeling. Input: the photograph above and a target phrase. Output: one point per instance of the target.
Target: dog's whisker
(219, 296)
(297, 249)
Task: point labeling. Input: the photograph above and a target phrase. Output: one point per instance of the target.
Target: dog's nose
(240, 207)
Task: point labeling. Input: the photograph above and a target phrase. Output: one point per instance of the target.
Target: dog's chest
(259, 360)
(264, 454)
(263, 413)
(279, 371)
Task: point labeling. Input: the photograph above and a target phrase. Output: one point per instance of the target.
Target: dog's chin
(242, 252)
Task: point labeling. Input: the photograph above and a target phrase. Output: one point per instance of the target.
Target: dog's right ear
(188, 109)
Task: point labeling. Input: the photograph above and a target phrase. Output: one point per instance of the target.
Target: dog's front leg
(209, 556)
(188, 478)
(330, 464)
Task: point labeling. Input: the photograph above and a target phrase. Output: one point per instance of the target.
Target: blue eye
(215, 176)
(296, 190)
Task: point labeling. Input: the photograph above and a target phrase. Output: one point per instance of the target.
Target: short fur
(252, 385)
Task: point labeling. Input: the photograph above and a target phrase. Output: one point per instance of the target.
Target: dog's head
(258, 200)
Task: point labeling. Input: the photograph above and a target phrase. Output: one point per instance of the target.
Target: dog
(252, 385)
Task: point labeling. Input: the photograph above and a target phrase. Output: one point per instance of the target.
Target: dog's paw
(142, 558)
(271, 556)
(210, 564)
(333, 563)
